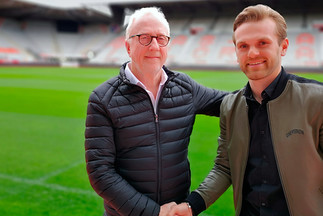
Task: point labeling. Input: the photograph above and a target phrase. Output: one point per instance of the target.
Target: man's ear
(285, 44)
(127, 47)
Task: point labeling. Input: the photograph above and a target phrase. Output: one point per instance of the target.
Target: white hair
(144, 11)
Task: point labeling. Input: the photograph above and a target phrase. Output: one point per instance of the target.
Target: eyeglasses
(145, 39)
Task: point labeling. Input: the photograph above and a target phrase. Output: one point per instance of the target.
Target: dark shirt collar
(273, 90)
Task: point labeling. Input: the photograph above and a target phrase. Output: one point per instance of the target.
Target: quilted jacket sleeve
(100, 153)
(207, 100)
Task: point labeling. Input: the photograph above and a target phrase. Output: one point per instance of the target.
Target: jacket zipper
(158, 158)
(245, 162)
(278, 167)
(156, 118)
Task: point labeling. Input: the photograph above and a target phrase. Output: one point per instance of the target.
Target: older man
(139, 124)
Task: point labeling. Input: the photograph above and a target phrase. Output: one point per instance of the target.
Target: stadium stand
(13, 45)
(41, 38)
(197, 41)
(304, 49)
(113, 52)
(178, 26)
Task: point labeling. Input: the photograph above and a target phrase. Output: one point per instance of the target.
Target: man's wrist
(196, 202)
(189, 207)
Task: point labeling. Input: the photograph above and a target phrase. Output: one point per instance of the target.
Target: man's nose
(154, 44)
(253, 52)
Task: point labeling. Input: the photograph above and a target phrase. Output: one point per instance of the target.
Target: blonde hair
(144, 11)
(258, 13)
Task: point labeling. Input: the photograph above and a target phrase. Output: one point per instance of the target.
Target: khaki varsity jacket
(296, 123)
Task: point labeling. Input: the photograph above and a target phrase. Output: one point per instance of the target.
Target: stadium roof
(99, 6)
(107, 11)
(74, 4)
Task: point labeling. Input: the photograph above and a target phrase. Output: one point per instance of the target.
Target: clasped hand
(172, 209)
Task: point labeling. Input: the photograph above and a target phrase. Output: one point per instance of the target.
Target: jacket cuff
(197, 203)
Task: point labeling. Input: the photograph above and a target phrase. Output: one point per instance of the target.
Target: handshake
(172, 209)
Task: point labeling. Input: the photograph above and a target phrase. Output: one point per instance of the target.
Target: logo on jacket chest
(295, 131)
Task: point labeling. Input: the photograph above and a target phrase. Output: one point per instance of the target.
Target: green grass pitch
(42, 123)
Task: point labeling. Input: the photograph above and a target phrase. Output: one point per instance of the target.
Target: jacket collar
(273, 90)
(124, 78)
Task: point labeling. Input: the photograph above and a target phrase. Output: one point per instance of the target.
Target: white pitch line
(46, 185)
(53, 186)
(59, 171)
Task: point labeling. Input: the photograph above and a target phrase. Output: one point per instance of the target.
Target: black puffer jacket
(136, 160)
